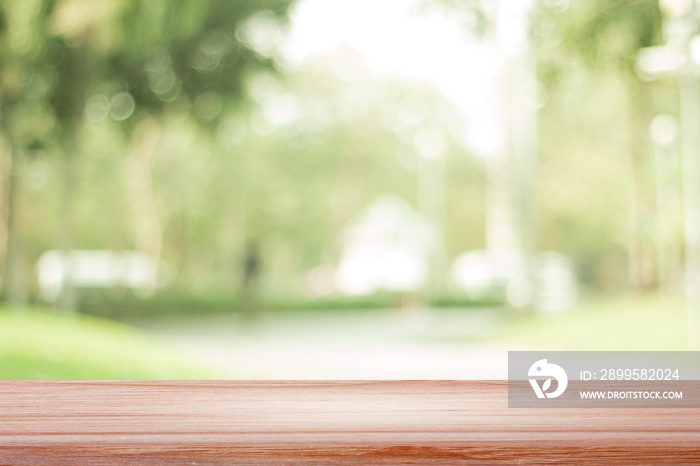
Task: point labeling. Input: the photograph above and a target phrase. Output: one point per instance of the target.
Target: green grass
(607, 324)
(45, 344)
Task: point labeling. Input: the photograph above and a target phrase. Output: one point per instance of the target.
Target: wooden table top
(364, 422)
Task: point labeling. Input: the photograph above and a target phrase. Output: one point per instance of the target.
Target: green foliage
(229, 163)
(599, 34)
(187, 48)
(75, 74)
(596, 166)
(172, 303)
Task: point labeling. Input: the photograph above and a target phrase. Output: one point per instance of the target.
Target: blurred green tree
(134, 62)
(602, 38)
(27, 121)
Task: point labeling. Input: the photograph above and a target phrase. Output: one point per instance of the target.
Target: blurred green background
(339, 189)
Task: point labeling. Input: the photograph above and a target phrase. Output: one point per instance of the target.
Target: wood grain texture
(413, 422)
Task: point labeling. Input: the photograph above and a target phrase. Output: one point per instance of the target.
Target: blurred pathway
(384, 344)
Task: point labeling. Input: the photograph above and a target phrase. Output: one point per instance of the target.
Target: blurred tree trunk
(148, 232)
(176, 242)
(67, 300)
(9, 257)
(231, 225)
(641, 251)
(79, 69)
(343, 201)
(6, 195)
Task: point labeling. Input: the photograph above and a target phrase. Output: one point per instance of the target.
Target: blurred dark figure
(251, 279)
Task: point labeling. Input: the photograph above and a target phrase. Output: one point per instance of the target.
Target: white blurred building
(554, 287)
(385, 248)
(95, 269)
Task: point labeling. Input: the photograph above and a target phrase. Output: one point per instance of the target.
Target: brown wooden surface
(323, 423)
